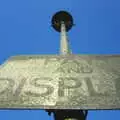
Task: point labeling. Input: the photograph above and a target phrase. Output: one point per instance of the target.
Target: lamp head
(59, 17)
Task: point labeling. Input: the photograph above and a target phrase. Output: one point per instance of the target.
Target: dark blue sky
(25, 28)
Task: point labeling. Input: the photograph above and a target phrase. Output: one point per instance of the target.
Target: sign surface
(54, 82)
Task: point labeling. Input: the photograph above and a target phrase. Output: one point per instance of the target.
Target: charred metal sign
(72, 81)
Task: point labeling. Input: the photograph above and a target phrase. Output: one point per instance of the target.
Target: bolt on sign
(54, 82)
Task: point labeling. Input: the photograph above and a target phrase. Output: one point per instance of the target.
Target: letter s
(35, 83)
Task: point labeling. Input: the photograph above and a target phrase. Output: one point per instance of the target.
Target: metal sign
(54, 82)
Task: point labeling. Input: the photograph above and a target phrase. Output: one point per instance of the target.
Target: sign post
(62, 22)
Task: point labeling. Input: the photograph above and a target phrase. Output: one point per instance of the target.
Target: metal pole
(68, 114)
(64, 44)
(62, 22)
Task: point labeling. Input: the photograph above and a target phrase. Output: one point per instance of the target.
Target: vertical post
(64, 43)
(62, 22)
